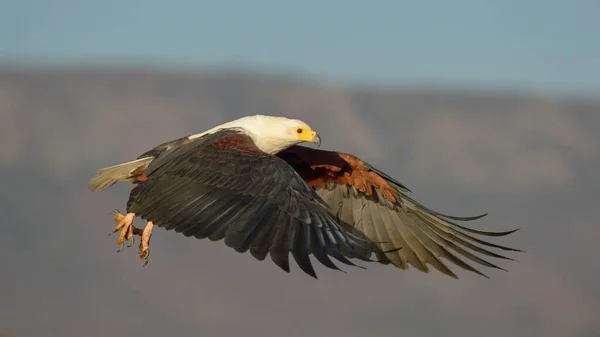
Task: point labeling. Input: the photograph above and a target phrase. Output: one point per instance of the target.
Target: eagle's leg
(145, 234)
(125, 225)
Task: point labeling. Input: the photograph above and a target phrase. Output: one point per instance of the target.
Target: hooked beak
(317, 139)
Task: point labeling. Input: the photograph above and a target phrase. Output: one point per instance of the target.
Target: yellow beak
(311, 137)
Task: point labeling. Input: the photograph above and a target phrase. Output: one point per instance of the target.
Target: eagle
(252, 184)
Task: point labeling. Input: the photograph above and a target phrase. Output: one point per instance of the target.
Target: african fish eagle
(250, 183)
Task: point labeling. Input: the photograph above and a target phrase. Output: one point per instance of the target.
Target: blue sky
(535, 45)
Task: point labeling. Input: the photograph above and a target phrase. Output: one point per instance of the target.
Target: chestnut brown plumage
(377, 207)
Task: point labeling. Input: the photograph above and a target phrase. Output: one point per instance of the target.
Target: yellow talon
(128, 232)
(125, 225)
(144, 247)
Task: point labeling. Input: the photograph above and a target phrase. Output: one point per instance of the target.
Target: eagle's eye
(299, 130)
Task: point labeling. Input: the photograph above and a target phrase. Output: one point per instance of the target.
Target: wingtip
(476, 271)
(459, 218)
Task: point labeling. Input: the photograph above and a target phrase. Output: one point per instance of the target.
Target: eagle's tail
(109, 176)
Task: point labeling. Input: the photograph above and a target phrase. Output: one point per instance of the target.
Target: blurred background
(475, 106)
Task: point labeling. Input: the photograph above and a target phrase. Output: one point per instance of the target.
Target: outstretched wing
(222, 186)
(376, 206)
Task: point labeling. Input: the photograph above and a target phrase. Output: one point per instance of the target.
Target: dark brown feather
(376, 206)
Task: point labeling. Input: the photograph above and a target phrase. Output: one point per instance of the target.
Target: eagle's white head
(272, 134)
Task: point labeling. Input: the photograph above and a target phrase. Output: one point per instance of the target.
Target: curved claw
(131, 241)
(144, 254)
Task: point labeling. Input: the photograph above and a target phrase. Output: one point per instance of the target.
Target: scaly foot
(146, 234)
(125, 225)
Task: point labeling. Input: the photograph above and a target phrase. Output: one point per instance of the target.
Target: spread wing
(377, 207)
(222, 186)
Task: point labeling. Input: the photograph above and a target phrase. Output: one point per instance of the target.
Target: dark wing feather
(377, 207)
(222, 186)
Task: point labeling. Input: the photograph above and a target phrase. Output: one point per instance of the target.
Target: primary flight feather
(249, 183)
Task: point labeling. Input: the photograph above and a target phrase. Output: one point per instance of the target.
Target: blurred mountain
(532, 161)
(68, 112)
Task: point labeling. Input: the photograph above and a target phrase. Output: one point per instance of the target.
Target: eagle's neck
(266, 144)
(270, 146)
